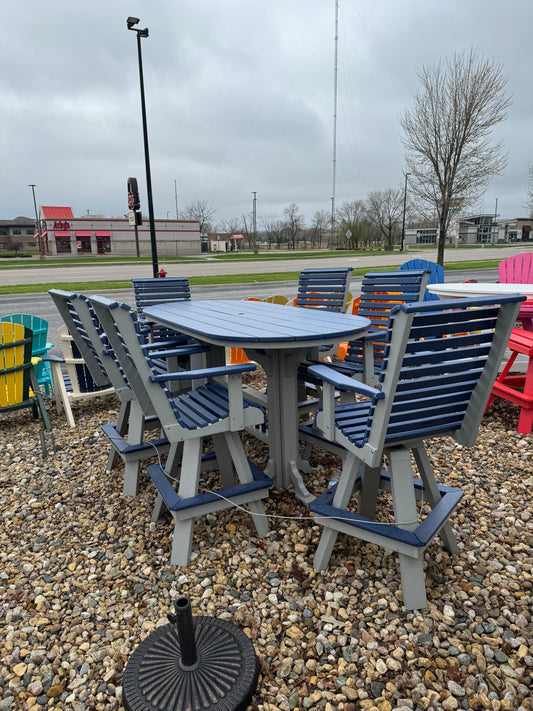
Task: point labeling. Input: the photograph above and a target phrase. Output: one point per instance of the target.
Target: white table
(279, 338)
(480, 289)
(463, 289)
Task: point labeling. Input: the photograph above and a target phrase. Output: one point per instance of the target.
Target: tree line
(369, 223)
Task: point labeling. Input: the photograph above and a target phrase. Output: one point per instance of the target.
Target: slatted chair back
(18, 382)
(151, 291)
(89, 339)
(127, 434)
(324, 288)
(436, 273)
(79, 378)
(517, 269)
(40, 345)
(438, 370)
(380, 293)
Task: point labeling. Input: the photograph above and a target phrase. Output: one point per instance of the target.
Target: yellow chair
(18, 381)
(277, 299)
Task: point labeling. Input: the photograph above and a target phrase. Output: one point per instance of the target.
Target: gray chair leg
(244, 475)
(188, 488)
(121, 427)
(406, 515)
(224, 461)
(325, 548)
(413, 582)
(432, 493)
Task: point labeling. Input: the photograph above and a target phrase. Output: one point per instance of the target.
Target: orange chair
(343, 347)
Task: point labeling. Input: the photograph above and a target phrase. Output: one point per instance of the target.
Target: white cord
(287, 518)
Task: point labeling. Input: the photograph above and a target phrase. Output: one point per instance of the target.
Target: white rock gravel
(84, 576)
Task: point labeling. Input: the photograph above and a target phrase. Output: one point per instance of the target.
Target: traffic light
(133, 195)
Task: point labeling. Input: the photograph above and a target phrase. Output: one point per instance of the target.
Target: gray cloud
(239, 98)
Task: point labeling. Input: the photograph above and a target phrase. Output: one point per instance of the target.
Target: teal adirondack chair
(40, 346)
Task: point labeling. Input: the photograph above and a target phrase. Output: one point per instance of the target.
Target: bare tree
(450, 156)
(274, 230)
(385, 208)
(352, 218)
(202, 211)
(319, 225)
(294, 222)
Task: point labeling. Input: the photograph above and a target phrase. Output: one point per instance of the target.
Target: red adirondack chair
(519, 270)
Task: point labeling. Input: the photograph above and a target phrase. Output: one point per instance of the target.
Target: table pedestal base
(285, 464)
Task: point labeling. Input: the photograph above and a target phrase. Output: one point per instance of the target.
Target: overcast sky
(239, 97)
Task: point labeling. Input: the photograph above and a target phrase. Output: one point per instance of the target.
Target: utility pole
(404, 207)
(176, 198)
(37, 222)
(254, 220)
(335, 120)
(495, 230)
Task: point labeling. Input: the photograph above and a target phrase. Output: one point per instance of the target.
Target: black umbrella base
(223, 677)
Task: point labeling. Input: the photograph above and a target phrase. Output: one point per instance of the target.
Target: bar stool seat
(518, 389)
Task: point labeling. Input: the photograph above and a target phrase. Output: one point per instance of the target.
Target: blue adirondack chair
(212, 409)
(439, 367)
(436, 273)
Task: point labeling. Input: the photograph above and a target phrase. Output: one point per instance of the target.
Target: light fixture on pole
(131, 21)
(404, 206)
(37, 222)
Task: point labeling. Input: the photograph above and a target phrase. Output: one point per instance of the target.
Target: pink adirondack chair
(519, 270)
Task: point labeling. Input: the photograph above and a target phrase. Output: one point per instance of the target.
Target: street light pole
(37, 222)
(254, 220)
(404, 206)
(131, 21)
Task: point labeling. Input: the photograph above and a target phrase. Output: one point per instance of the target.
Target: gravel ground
(84, 577)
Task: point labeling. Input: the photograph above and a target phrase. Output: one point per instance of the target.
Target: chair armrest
(204, 373)
(343, 382)
(374, 334)
(51, 358)
(185, 350)
(165, 343)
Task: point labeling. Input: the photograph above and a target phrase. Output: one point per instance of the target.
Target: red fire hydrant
(161, 273)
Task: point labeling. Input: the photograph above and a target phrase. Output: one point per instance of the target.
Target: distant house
(18, 234)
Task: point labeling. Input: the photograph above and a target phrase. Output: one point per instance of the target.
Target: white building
(64, 235)
(476, 229)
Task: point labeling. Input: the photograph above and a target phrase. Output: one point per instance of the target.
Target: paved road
(204, 266)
